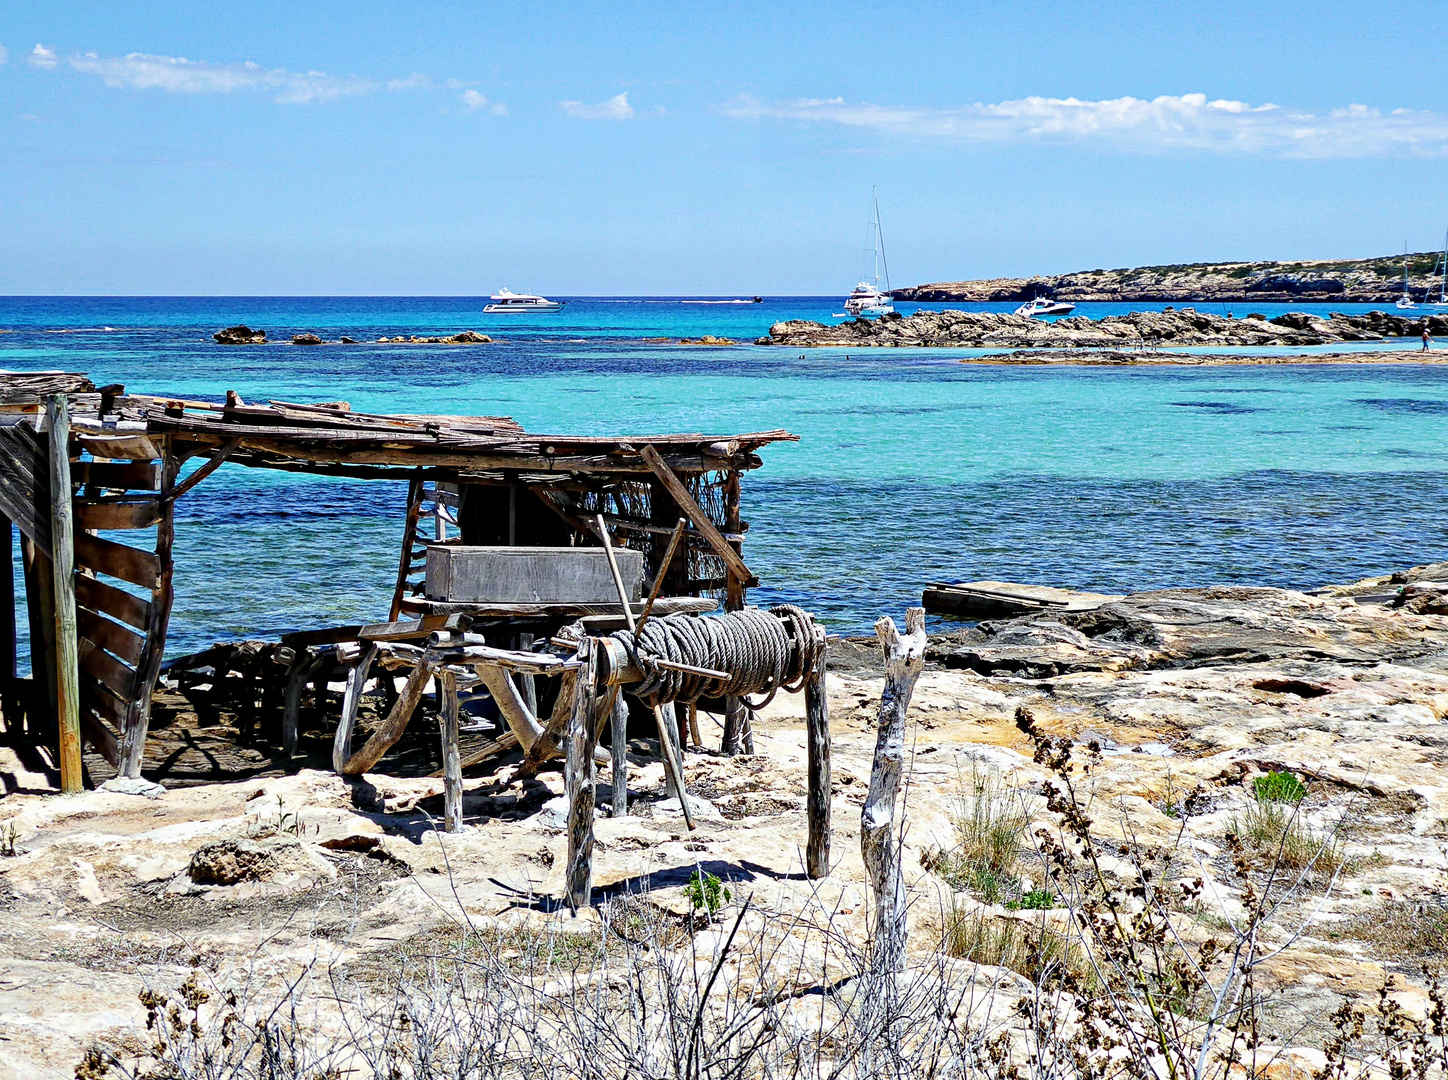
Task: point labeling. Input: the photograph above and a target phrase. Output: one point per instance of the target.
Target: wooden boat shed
(91, 475)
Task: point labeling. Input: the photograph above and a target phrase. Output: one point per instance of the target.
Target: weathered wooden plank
(107, 669)
(212, 464)
(96, 695)
(138, 719)
(116, 639)
(817, 734)
(25, 484)
(98, 596)
(130, 564)
(409, 535)
(410, 629)
(578, 773)
(119, 475)
(126, 447)
(695, 513)
(7, 609)
(618, 722)
(452, 815)
(68, 651)
(100, 736)
(505, 741)
(117, 513)
(673, 763)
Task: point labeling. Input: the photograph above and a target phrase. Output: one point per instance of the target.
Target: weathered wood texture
(618, 724)
(391, 729)
(673, 762)
(578, 775)
(817, 735)
(537, 575)
(691, 509)
(409, 540)
(452, 769)
(351, 700)
(67, 638)
(25, 483)
(879, 821)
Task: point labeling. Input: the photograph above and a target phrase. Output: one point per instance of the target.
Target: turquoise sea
(912, 466)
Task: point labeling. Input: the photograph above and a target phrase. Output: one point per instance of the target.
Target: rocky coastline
(1353, 281)
(1140, 330)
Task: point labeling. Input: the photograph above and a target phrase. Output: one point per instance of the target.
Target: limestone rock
(707, 339)
(128, 785)
(468, 337)
(306, 339)
(239, 334)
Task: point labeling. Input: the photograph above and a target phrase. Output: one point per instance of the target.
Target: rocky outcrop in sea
(970, 329)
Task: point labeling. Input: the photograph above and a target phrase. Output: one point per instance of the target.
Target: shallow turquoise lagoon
(913, 466)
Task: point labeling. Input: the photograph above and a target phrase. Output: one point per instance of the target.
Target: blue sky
(449, 148)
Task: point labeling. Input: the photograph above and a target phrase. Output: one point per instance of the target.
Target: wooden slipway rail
(91, 475)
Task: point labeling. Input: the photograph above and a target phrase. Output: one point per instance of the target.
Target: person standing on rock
(1425, 337)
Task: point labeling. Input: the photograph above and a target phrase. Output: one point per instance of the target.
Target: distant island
(1365, 281)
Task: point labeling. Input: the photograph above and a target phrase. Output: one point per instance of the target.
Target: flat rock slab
(997, 599)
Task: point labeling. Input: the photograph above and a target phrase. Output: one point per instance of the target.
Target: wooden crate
(529, 575)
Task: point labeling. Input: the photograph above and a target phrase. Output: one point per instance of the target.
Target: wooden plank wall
(123, 593)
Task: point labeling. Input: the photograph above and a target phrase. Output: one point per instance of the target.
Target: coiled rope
(763, 652)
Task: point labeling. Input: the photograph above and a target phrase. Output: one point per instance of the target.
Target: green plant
(707, 892)
(8, 835)
(1279, 787)
(990, 831)
(1035, 900)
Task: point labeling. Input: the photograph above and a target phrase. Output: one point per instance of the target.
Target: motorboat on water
(506, 302)
(869, 298)
(1043, 306)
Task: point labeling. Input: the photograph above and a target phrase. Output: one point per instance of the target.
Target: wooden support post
(452, 769)
(67, 637)
(306, 668)
(619, 723)
(817, 733)
(351, 701)
(158, 619)
(386, 736)
(510, 703)
(9, 698)
(578, 779)
(879, 842)
(698, 740)
(734, 721)
(673, 762)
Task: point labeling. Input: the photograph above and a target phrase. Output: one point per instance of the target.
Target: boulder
(345, 340)
(707, 339)
(306, 339)
(469, 337)
(240, 334)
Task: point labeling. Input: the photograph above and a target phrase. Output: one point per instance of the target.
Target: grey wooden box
(530, 575)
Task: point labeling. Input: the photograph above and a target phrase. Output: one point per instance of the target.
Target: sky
(680, 148)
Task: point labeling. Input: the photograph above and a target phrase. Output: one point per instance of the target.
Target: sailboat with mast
(1405, 302)
(868, 298)
(1441, 272)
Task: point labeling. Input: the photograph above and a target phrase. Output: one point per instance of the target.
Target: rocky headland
(1138, 330)
(1357, 281)
(1186, 703)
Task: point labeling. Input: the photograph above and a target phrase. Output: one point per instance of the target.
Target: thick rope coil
(763, 651)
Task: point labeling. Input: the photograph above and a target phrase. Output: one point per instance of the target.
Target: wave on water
(89, 330)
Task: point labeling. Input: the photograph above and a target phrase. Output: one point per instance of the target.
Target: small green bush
(707, 892)
(1279, 787)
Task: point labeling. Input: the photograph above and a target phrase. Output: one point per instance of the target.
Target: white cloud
(42, 57)
(4, 54)
(177, 75)
(1188, 121)
(472, 101)
(412, 82)
(615, 108)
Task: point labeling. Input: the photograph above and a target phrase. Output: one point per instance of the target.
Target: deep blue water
(912, 466)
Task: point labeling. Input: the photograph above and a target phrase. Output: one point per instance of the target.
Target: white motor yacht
(869, 298)
(1043, 306)
(506, 302)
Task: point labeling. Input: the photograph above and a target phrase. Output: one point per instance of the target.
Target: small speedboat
(1043, 306)
(1405, 303)
(505, 302)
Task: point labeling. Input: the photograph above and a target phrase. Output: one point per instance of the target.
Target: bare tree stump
(879, 827)
(578, 780)
(452, 768)
(817, 730)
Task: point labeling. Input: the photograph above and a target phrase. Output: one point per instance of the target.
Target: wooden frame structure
(98, 556)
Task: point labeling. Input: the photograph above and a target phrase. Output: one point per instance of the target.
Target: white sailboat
(1442, 268)
(868, 298)
(1405, 302)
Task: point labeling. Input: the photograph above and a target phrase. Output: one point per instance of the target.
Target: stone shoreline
(1140, 330)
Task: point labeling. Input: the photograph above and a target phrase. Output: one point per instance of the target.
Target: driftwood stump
(817, 724)
(879, 826)
(452, 768)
